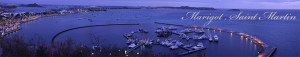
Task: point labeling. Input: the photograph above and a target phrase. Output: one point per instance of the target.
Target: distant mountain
(187, 7)
(9, 6)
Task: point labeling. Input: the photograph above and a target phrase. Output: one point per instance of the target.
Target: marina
(135, 28)
(266, 50)
(155, 35)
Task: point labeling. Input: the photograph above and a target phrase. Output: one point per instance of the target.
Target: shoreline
(13, 25)
(16, 25)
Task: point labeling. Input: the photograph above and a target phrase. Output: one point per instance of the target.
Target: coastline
(10, 26)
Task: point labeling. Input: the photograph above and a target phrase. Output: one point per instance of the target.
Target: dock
(268, 51)
(188, 52)
(131, 49)
(185, 48)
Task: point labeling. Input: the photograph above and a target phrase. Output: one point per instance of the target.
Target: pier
(131, 49)
(188, 52)
(268, 51)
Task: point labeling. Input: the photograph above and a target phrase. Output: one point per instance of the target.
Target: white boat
(199, 31)
(172, 28)
(183, 36)
(216, 37)
(169, 44)
(187, 46)
(210, 39)
(128, 35)
(157, 31)
(202, 37)
(195, 37)
(178, 43)
(95, 47)
(198, 46)
(174, 47)
(129, 41)
(132, 45)
(163, 43)
(148, 43)
(186, 31)
(187, 38)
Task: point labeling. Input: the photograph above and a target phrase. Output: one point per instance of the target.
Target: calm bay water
(282, 34)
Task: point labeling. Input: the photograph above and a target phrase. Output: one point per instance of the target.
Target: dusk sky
(241, 4)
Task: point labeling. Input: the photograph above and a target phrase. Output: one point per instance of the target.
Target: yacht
(199, 31)
(172, 28)
(187, 46)
(169, 44)
(132, 45)
(128, 35)
(210, 39)
(148, 43)
(178, 43)
(174, 47)
(143, 31)
(216, 37)
(186, 31)
(129, 41)
(183, 36)
(202, 37)
(198, 46)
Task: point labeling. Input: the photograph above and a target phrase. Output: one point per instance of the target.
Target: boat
(143, 31)
(187, 46)
(157, 31)
(183, 36)
(234, 10)
(187, 38)
(186, 31)
(174, 47)
(202, 37)
(169, 44)
(210, 39)
(172, 28)
(129, 41)
(166, 42)
(178, 43)
(198, 31)
(216, 37)
(195, 37)
(132, 45)
(96, 47)
(128, 35)
(148, 43)
(198, 46)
